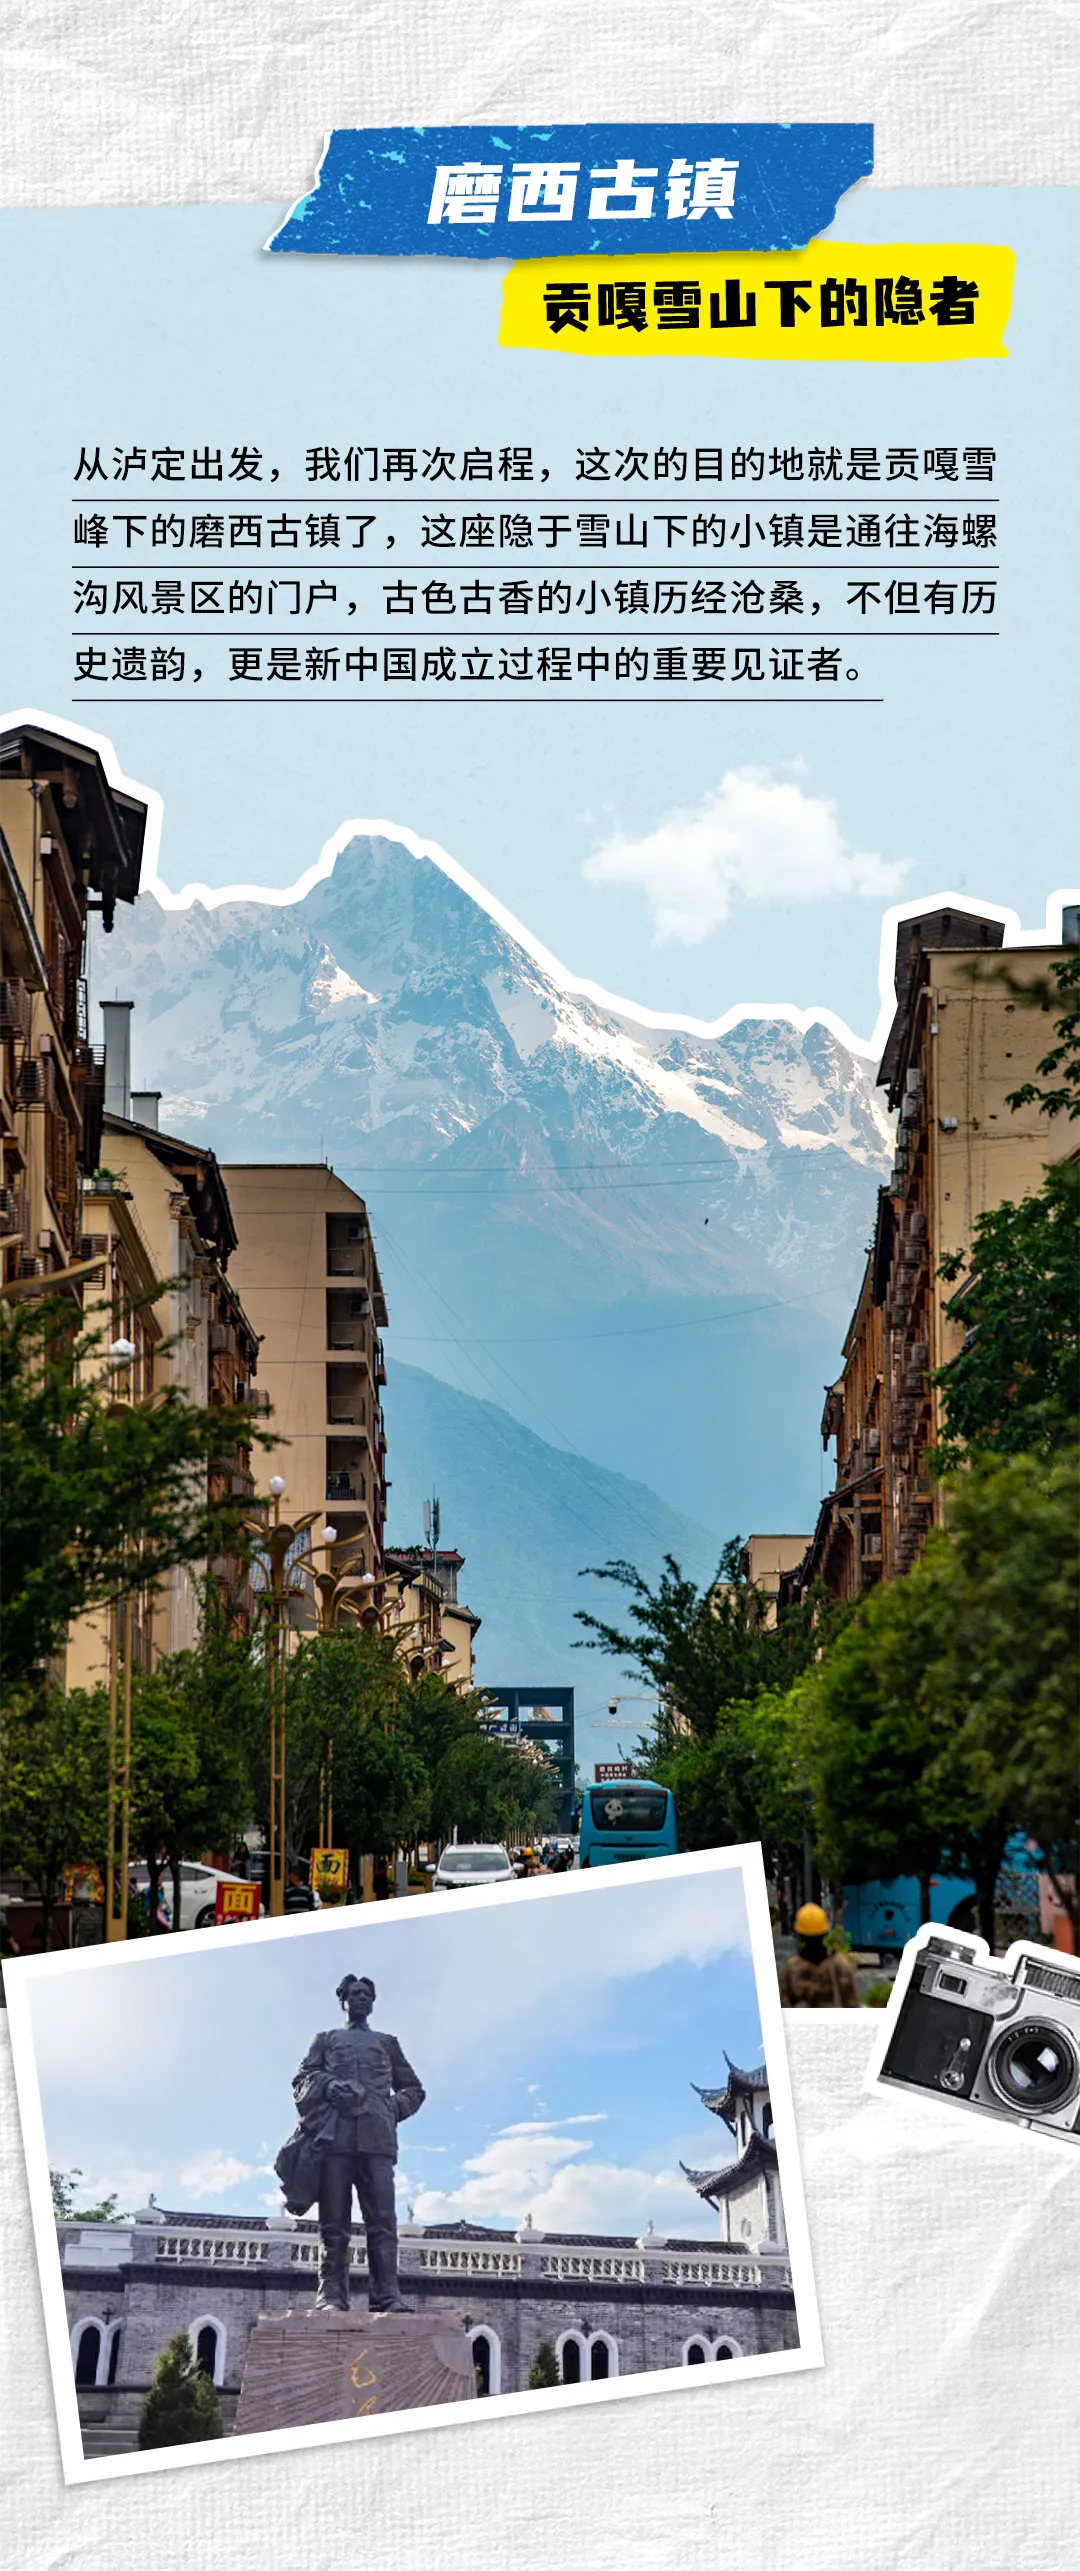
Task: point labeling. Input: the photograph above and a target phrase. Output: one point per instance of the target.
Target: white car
(198, 1890)
(460, 1869)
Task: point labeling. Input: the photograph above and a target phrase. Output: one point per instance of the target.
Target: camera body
(1001, 2037)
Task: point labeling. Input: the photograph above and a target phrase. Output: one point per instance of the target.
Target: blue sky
(557, 2055)
(176, 325)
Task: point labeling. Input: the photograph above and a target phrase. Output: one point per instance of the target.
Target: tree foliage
(702, 1649)
(55, 1757)
(1057, 1082)
(1013, 1387)
(100, 1497)
(63, 2183)
(182, 2406)
(543, 2373)
(944, 1716)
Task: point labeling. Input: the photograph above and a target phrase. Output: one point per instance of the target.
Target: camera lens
(1033, 2068)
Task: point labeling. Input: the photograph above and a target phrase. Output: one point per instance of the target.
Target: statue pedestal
(306, 2367)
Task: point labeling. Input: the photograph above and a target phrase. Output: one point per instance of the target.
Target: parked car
(198, 1890)
(459, 1869)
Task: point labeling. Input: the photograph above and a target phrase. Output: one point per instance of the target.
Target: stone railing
(289, 2248)
(217, 2249)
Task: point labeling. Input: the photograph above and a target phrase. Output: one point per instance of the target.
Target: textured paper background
(164, 102)
(943, 2434)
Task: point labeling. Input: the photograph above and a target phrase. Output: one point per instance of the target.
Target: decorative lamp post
(289, 1571)
(118, 1849)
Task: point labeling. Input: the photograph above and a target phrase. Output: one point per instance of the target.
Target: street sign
(330, 1873)
(615, 1768)
(83, 1883)
(234, 1902)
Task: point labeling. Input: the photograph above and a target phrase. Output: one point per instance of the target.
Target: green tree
(182, 2407)
(100, 1498)
(64, 2192)
(544, 2373)
(195, 1789)
(1060, 1068)
(703, 1649)
(1013, 1387)
(348, 1688)
(55, 1757)
(944, 1717)
(743, 1781)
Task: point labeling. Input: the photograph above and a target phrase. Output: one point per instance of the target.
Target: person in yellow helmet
(814, 1979)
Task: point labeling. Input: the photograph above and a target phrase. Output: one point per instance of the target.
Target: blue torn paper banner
(553, 191)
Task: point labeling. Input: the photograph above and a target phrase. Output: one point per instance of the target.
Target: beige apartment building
(963, 1036)
(434, 1628)
(157, 1215)
(70, 843)
(306, 1270)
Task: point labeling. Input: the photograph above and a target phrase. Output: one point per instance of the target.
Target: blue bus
(882, 1916)
(630, 1818)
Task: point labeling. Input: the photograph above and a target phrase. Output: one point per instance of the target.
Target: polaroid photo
(1000, 2034)
(356, 2174)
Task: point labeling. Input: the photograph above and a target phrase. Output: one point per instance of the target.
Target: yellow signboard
(896, 302)
(330, 1873)
(234, 1902)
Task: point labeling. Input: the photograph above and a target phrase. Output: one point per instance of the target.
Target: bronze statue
(353, 2089)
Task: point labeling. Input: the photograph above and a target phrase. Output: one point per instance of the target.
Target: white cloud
(756, 837)
(131, 2187)
(551, 2176)
(213, 2172)
(547, 2124)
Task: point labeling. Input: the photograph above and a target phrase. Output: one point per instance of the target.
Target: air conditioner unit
(48, 1243)
(873, 1441)
(355, 1231)
(7, 1205)
(359, 1304)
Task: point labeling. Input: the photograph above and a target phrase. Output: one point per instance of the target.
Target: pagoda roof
(740, 2084)
(712, 2183)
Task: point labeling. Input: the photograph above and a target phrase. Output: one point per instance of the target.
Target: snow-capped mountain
(542, 1170)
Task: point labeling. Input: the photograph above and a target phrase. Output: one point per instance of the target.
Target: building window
(114, 2353)
(86, 2349)
(487, 2359)
(603, 2357)
(696, 2353)
(727, 2348)
(207, 2337)
(570, 2353)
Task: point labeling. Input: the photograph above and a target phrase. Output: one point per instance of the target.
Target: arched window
(727, 2348)
(570, 2352)
(696, 2353)
(86, 2349)
(207, 2338)
(603, 2357)
(114, 2353)
(487, 2358)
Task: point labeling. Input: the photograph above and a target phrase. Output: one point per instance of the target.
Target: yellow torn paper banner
(908, 302)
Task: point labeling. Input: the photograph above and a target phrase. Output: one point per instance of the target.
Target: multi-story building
(609, 2304)
(964, 1035)
(158, 1217)
(306, 1268)
(70, 843)
(421, 1604)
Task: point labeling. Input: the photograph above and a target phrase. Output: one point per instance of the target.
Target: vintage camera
(1002, 2037)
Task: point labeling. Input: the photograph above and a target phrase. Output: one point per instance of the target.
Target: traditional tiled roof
(740, 2084)
(712, 2183)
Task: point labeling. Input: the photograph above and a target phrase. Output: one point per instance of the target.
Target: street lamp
(288, 1573)
(117, 1859)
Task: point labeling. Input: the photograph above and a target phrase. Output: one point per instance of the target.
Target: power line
(628, 1330)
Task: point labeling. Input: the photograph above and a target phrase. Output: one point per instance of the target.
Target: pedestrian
(381, 1879)
(814, 1979)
